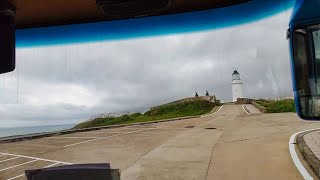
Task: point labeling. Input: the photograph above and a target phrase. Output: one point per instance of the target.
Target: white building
(236, 86)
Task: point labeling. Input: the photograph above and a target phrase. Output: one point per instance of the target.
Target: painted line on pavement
(69, 145)
(37, 145)
(52, 165)
(18, 165)
(9, 159)
(141, 127)
(116, 135)
(304, 173)
(73, 137)
(99, 132)
(16, 177)
(245, 109)
(35, 158)
(213, 113)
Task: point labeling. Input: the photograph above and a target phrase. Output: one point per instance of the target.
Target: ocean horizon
(14, 131)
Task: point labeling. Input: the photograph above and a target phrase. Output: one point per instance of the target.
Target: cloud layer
(69, 83)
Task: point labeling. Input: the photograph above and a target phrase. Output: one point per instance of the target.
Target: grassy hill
(286, 105)
(193, 108)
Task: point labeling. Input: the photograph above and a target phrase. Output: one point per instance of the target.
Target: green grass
(286, 105)
(184, 109)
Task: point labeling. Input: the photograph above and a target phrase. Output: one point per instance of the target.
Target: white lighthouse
(236, 86)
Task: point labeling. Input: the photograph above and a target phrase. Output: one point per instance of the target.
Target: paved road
(227, 145)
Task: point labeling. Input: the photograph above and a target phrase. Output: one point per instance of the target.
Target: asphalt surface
(229, 144)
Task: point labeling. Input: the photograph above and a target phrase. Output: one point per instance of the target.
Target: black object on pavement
(75, 172)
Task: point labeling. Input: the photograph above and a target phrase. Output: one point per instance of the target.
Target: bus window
(306, 52)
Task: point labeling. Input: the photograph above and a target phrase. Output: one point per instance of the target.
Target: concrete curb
(246, 109)
(308, 155)
(258, 106)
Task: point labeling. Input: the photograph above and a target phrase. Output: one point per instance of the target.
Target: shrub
(286, 105)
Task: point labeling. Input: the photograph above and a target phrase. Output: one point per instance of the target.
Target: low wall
(243, 101)
(258, 106)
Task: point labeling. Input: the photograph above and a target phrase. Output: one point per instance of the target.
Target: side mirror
(7, 38)
(304, 37)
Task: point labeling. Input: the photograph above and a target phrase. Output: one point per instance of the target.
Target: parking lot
(230, 144)
(119, 146)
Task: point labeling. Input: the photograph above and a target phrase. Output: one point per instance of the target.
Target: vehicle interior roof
(40, 13)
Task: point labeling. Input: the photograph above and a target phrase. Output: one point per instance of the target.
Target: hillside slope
(183, 109)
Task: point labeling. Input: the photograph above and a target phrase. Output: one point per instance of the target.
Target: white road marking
(51, 165)
(141, 127)
(70, 137)
(245, 109)
(100, 132)
(35, 158)
(18, 165)
(161, 127)
(116, 135)
(295, 157)
(9, 159)
(213, 113)
(161, 131)
(35, 145)
(16, 177)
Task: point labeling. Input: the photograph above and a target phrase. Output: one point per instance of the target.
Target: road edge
(313, 162)
(214, 111)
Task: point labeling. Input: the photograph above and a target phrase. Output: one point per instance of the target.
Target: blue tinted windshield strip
(152, 26)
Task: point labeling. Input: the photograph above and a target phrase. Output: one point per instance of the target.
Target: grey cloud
(132, 75)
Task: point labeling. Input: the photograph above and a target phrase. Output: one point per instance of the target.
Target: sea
(4, 132)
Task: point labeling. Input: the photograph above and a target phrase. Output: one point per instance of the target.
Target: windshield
(213, 104)
(86, 79)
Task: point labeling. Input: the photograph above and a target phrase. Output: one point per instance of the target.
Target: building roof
(235, 72)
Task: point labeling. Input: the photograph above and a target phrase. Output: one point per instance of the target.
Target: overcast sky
(67, 84)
